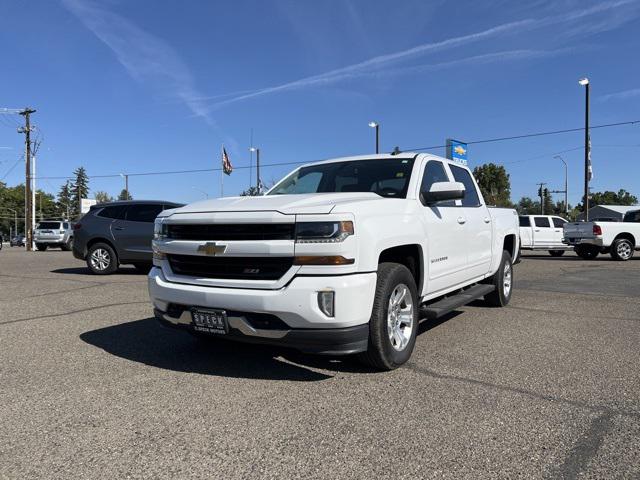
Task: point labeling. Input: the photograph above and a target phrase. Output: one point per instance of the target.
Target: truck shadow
(144, 341)
(124, 270)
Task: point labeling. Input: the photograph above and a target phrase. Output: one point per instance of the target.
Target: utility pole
(541, 195)
(376, 125)
(587, 147)
(28, 201)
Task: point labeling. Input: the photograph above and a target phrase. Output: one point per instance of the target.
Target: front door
(446, 259)
(134, 233)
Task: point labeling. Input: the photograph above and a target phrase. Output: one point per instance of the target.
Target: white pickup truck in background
(620, 239)
(340, 257)
(543, 232)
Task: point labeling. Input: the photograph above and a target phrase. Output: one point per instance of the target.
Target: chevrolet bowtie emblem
(212, 248)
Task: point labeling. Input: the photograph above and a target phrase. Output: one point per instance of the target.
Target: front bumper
(305, 326)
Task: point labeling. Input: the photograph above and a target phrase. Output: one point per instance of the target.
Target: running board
(448, 304)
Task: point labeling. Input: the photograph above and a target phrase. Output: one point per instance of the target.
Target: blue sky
(139, 86)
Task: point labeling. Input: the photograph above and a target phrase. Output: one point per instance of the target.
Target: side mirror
(442, 191)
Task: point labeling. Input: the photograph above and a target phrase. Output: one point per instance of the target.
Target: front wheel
(68, 245)
(622, 249)
(502, 280)
(101, 259)
(393, 326)
(556, 253)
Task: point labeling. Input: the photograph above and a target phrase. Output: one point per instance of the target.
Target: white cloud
(623, 95)
(147, 58)
(375, 66)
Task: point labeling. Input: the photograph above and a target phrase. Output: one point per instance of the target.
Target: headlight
(323, 232)
(159, 230)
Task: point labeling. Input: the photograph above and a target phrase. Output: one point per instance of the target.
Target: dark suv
(110, 234)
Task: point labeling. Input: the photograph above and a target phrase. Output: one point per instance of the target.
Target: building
(608, 213)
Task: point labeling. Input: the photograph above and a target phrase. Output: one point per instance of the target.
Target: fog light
(326, 302)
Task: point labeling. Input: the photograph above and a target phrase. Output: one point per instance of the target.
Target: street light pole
(206, 195)
(566, 183)
(377, 127)
(126, 184)
(585, 83)
(258, 183)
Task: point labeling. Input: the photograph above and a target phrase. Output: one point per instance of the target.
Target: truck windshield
(386, 177)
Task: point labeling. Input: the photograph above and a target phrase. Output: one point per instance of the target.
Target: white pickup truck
(340, 257)
(543, 232)
(619, 239)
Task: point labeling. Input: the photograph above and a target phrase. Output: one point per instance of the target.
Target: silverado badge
(212, 248)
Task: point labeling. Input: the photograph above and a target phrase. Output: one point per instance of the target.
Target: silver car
(53, 233)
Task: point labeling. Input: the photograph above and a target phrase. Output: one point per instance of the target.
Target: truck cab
(343, 256)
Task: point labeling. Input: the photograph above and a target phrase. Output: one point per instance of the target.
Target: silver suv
(53, 233)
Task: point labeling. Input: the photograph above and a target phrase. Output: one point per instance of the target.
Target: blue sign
(457, 151)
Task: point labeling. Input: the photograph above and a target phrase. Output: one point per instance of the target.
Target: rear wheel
(587, 252)
(41, 247)
(101, 259)
(622, 249)
(393, 325)
(556, 253)
(502, 280)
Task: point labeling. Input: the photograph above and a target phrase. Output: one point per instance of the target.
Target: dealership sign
(457, 151)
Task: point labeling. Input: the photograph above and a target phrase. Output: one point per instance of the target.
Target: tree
(250, 192)
(65, 200)
(494, 184)
(103, 197)
(611, 198)
(80, 190)
(125, 195)
(528, 206)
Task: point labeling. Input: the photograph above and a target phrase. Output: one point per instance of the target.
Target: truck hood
(314, 203)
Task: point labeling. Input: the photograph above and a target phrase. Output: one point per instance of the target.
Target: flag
(590, 168)
(227, 168)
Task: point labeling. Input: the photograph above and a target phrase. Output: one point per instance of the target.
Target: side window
(558, 222)
(65, 225)
(143, 213)
(115, 211)
(542, 222)
(434, 172)
(524, 221)
(461, 175)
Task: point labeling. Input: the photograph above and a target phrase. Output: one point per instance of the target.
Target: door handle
(537, 230)
(118, 228)
(462, 220)
(487, 220)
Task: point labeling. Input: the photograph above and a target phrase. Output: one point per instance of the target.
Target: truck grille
(215, 231)
(230, 268)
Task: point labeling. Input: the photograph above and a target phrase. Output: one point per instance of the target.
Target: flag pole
(222, 171)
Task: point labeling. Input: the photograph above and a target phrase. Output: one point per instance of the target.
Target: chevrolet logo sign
(212, 248)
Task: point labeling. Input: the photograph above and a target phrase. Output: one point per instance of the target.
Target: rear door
(447, 256)
(526, 238)
(134, 233)
(558, 233)
(478, 229)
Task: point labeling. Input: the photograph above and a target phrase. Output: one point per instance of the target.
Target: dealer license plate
(210, 321)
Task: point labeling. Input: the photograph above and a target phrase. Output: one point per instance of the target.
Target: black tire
(66, 247)
(587, 252)
(104, 262)
(143, 267)
(556, 253)
(622, 249)
(381, 353)
(41, 247)
(501, 296)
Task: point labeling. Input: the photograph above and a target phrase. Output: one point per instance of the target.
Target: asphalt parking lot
(91, 386)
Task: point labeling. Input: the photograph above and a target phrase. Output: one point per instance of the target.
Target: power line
(528, 135)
